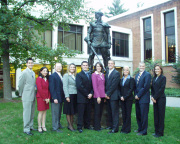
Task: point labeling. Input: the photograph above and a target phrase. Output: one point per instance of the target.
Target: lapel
(84, 75)
(30, 74)
(127, 81)
(156, 81)
(141, 77)
(112, 73)
(72, 77)
(57, 76)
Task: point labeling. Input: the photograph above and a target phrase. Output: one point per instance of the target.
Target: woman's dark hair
(100, 66)
(160, 68)
(40, 74)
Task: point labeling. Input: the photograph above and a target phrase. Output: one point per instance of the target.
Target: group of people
(79, 91)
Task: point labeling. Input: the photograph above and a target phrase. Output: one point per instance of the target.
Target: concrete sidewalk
(172, 101)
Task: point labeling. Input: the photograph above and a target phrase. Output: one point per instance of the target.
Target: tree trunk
(7, 92)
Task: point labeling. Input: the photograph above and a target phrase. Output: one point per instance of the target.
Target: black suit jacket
(127, 90)
(56, 88)
(112, 85)
(158, 87)
(142, 87)
(84, 87)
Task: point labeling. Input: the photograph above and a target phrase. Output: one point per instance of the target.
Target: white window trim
(142, 35)
(163, 34)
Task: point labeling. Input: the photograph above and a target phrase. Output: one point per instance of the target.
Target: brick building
(155, 34)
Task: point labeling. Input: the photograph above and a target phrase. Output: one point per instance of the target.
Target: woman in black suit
(126, 95)
(159, 100)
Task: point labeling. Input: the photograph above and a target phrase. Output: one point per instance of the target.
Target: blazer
(98, 85)
(112, 84)
(42, 88)
(84, 87)
(142, 88)
(158, 87)
(127, 90)
(56, 88)
(69, 85)
(27, 85)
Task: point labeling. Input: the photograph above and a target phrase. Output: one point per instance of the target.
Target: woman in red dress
(43, 96)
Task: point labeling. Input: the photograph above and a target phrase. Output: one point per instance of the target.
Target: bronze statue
(98, 38)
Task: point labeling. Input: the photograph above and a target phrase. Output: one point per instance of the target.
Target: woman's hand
(153, 100)
(68, 99)
(122, 98)
(98, 100)
(47, 101)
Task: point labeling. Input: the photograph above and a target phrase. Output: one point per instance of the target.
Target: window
(120, 44)
(170, 45)
(72, 38)
(147, 38)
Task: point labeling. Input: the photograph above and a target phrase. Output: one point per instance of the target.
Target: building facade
(156, 34)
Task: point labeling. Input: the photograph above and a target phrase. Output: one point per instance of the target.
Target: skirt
(70, 108)
(41, 105)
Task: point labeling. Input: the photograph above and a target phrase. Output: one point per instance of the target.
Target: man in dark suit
(84, 95)
(57, 96)
(112, 79)
(142, 96)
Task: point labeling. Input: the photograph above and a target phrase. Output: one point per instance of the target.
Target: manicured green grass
(11, 130)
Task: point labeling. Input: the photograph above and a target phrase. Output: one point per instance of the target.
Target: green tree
(140, 4)
(176, 77)
(21, 31)
(116, 8)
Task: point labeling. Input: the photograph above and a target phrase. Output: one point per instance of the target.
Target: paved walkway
(172, 101)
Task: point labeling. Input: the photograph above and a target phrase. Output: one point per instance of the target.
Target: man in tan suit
(27, 91)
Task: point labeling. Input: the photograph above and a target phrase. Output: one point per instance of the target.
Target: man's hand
(153, 100)
(68, 99)
(107, 97)
(89, 96)
(55, 101)
(98, 100)
(136, 97)
(122, 98)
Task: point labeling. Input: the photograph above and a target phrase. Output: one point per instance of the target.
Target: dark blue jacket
(56, 88)
(142, 87)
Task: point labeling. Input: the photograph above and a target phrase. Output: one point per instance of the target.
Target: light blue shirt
(124, 80)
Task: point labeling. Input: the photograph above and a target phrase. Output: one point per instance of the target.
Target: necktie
(139, 77)
(87, 75)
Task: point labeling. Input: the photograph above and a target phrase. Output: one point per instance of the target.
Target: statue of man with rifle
(99, 38)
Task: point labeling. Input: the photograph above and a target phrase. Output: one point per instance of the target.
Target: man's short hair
(57, 63)
(112, 61)
(29, 59)
(84, 62)
(142, 63)
(99, 13)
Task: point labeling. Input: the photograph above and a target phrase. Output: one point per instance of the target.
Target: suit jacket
(69, 85)
(158, 87)
(98, 83)
(42, 88)
(84, 87)
(127, 90)
(112, 84)
(142, 88)
(27, 85)
(56, 88)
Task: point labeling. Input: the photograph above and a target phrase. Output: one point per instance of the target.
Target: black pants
(142, 110)
(113, 114)
(126, 115)
(159, 115)
(84, 115)
(98, 109)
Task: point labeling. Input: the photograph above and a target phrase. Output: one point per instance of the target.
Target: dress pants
(84, 115)
(126, 115)
(98, 109)
(28, 114)
(56, 115)
(159, 115)
(142, 110)
(113, 114)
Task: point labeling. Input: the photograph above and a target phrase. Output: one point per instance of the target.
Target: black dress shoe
(108, 128)
(89, 128)
(58, 131)
(137, 131)
(157, 135)
(124, 132)
(141, 133)
(80, 130)
(61, 127)
(29, 133)
(154, 134)
(112, 131)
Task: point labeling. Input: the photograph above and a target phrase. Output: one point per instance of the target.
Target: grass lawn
(11, 130)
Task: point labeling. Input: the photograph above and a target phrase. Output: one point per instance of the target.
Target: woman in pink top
(98, 82)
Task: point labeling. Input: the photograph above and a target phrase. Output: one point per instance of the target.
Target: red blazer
(42, 88)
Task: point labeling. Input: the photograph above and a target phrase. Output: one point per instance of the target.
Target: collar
(98, 73)
(128, 77)
(85, 72)
(111, 70)
(29, 69)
